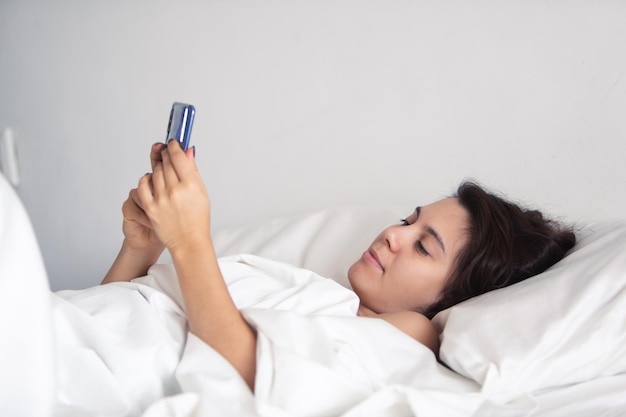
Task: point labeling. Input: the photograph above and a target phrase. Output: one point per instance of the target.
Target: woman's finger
(145, 194)
(170, 174)
(155, 154)
(191, 153)
(133, 211)
(133, 196)
(158, 180)
(184, 165)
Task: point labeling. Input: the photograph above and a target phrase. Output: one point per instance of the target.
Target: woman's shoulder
(414, 324)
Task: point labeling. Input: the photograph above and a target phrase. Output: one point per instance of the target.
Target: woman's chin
(350, 273)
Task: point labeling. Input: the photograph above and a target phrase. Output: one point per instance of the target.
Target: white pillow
(564, 326)
(326, 242)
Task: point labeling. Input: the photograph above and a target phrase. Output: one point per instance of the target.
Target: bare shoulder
(416, 325)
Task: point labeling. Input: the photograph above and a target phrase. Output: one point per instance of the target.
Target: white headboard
(306, 105)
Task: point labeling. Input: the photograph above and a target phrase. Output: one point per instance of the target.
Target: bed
(552, 345)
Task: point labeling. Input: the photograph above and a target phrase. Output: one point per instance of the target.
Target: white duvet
(123, 349)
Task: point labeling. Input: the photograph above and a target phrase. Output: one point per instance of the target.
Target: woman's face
(407, 265)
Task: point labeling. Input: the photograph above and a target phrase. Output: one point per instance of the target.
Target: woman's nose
(395, 236)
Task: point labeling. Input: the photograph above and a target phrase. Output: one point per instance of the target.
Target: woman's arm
(211, 312)
(131, 263)
(176, 202)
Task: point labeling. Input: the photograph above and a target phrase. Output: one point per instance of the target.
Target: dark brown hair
(506, 244)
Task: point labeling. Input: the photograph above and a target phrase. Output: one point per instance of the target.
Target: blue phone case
(181, 121)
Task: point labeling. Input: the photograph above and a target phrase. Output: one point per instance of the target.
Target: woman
(440, 255)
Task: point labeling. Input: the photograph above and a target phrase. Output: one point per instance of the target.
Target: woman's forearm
(211, 312)
(131, 263)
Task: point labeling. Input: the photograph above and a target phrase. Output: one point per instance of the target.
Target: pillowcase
(327, 242)
(561, 327)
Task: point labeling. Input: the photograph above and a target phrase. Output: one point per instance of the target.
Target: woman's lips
(371, 257)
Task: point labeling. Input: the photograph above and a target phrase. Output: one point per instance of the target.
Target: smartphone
(181, 121)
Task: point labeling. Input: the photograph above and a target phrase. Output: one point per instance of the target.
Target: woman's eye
(421, 249)
(404, 222)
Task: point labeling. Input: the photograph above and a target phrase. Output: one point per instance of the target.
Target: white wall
(310, 104)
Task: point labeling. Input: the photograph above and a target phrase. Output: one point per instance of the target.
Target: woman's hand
(137, 229)
(174, 198)
(141, 247)
(138, 232)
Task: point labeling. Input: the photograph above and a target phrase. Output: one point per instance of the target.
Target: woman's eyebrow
(437, 237)
(431, 231)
